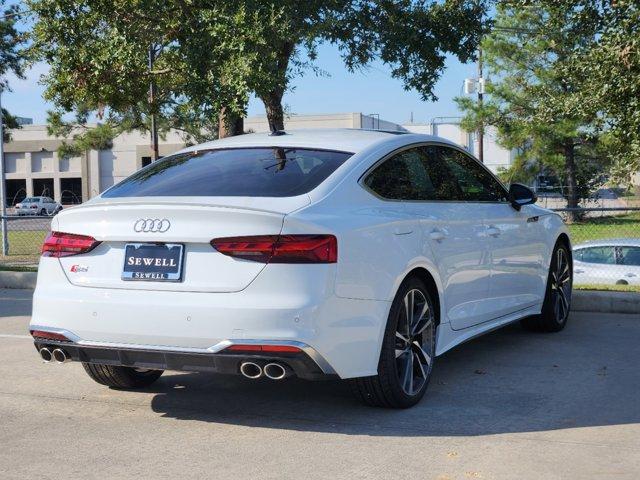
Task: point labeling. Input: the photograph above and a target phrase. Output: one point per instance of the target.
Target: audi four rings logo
(152, 225)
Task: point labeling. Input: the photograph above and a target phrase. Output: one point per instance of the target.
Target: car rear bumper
(341, 336)
(306, 363)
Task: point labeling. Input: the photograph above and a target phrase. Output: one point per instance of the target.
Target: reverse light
(280, 248)
(49, 335)
(58, 244)
(263, 348)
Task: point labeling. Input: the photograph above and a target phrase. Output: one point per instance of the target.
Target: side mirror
(520, 195)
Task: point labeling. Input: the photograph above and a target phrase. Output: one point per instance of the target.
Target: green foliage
(210, 55)
(11, 57)
(612, 64)
(534, 92)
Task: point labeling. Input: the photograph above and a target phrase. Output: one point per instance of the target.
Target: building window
(43, 187)
(70, 191)
(16, 191)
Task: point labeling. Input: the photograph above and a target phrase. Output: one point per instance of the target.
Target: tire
(405, 351)
(43, 212)
(121, 377)
(557, 299)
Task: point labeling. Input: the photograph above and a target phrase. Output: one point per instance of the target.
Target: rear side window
(239, 172)
(402, 177)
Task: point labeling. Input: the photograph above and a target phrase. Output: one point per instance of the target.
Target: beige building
(33, 168)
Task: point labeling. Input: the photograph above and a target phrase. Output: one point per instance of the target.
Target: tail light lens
(280, 248)
(58, 244)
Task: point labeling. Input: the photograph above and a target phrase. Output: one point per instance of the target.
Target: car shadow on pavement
(508, 381)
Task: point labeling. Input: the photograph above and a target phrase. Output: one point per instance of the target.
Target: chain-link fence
(25, 236)
(606, 247)
(606, 244)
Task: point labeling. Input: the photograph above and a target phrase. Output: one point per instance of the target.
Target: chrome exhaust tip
(60, 356)
(251, 370)
(275, 371)
(45, 354)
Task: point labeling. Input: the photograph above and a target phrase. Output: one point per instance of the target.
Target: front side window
(238, 172)
(599, 255)
(475, 183)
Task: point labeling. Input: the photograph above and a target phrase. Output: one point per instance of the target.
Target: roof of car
(342, 139)
(610, 242)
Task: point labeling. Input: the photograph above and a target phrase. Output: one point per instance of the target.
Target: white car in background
(37, 206)
(354, 254)
(607, 262)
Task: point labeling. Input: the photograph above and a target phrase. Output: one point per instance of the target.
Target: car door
(449, 232)
(595, 266)
(454, 236)
(513, 248)
(515, 240)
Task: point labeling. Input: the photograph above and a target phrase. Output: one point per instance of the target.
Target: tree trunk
(229, 124)
(275, 113)
(570, 172)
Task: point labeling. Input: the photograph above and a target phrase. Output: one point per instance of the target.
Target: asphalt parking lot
(510, 405)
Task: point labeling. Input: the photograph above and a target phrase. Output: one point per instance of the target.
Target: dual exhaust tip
(57, 355)
(274, 371)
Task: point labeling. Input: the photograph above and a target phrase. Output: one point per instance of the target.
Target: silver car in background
(611, 261)
(37, 206)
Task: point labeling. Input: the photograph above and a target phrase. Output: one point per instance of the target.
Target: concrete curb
(605, 302)
(25, 280)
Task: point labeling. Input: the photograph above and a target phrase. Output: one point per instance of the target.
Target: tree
(412, 37)
(11, 57)
(612, 64)
(211, 54)
(534, 90)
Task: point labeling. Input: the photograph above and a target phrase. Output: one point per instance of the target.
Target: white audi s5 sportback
(350, 254)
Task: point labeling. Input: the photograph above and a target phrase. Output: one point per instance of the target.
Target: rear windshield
(241, 172)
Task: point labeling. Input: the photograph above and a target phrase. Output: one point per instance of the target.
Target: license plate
(153, 262)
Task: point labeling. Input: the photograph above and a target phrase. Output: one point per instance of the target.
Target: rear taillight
(280, 248)
(58, 244)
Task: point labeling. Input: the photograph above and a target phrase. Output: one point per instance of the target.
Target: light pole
(152, 93)
(480, 93)
(3, 189)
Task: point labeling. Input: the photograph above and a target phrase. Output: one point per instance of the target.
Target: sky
(369, 91)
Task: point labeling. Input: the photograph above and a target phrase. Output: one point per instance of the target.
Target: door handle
(630, 275)
(437, 235)
(493, 231)
(578, 270)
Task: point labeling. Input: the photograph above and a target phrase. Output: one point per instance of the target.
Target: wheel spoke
(420, 352)
(560, 260)
(422, 328)
(564, 302)
(402, 351)
(408, 308)
(402, 337)
(422, 372)
(408, 375)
